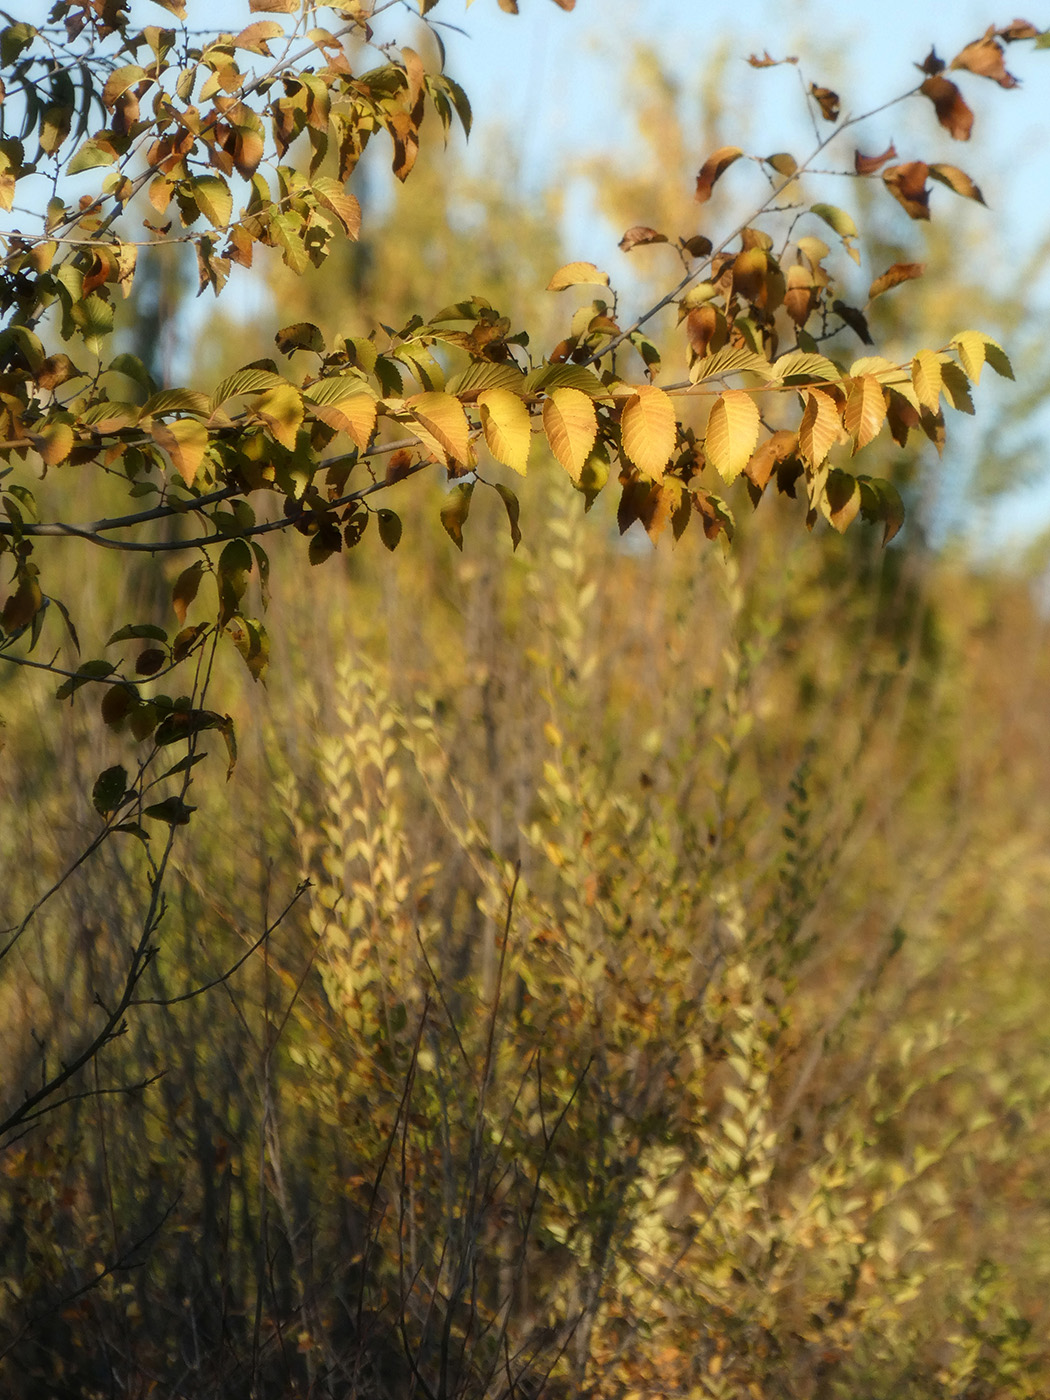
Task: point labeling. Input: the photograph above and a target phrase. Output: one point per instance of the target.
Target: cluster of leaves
(267, 451)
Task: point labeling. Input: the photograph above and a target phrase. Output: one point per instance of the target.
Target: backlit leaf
(926, 379)
(444, 425)
(185, 440)
(731, 359)
(109, 789)
(732, 431)
(213, 198)
(507, 427)
(819, 429)
(713, 168)
(865, 410)
(185, 589)
(975, 349)
(574, 273)
(649, 430)
(281, 409)
(571, 426)
(800, 365)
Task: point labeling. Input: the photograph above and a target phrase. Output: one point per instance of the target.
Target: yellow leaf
(53, 443)
(976, 349)
(571, 426)
(926, 379)
(865, 410)
(281, 409)
(732, 431)
(443, 426)
(508, 431)
(649, 430)
(355, 416)
(819, 427)
(575, 272)
(185, 441)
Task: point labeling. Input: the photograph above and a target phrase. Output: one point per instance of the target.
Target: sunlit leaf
(649, 430)
(507, 427)
(865, 410)
(820, 427)
(640, 235)
(907, 184)
(956, 180)
(444, 426)
(571, 426)
(732, 431)
(926, 380)
(185, 440)
(574, 273)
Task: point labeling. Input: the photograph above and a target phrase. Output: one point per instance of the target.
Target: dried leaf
(952, 112)
(956, 180)
(766, 62)
(894, 276)
(827, 101)
(985, 58)
(907, 184)
(576, 272)
(713, 168)
(639, 235)
(867, 165)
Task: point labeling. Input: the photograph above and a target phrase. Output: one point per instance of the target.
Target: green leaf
(510, 501)
(110, 787)
(235, 567)
(89, 671)
(455, 510)
(389, 528)
(139, 631)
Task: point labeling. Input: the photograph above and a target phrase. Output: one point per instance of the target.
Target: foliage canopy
(119, 140)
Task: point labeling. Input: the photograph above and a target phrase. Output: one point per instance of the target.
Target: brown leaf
(867, 165)
(509, 7)
(956, 180)
(566, 4)
(770, 454)
(702, 326)
(766, 62)
(952, 112)
(713, 168)
(638, 235)
(931, 64)
(1019, 29)
(907, 184)
(894, 276)
(698, 246)
(856, 320)
(827, 100)
(985, 58)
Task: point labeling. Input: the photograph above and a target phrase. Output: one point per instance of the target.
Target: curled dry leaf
(907, 184)
(712, 170)
(867, 165)
(952, 112)
(827, 101)
(985, 58)
(1019, 29)
(766, 62)
(638, 235)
